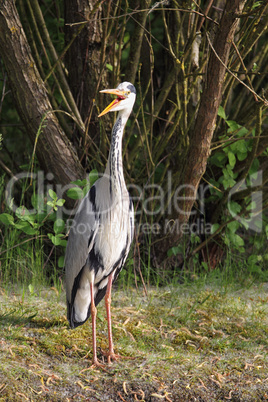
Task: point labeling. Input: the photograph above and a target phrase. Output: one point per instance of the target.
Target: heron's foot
(97, 364)
(113, 356)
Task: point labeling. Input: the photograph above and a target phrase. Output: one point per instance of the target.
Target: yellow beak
(120, 96)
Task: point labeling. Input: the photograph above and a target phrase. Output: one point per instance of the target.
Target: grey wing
(129, 239)
(81, 238)
(118, 266)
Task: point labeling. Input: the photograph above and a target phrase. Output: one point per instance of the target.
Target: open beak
(120, 96)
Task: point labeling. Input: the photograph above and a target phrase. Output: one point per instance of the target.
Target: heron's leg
(95, 362)
(108, 300)
(111, 355)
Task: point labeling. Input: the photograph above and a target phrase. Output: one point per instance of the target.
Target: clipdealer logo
(153, 201)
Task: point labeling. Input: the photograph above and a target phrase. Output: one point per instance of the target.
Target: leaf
(195, 239)
(80, 183)
(173, 251)
(63, 242)
(205, 266)
(244, 222)
(7, 219)
(218, 159)
(253, 171)
(60, 202)
(26, 228)
(93, 177)
(31, 288)
(228, 183)
(233, 226)
(254, 67)
(238, 240)
(234, 208)
(214, 228)
(251, 206)
(232, 159)
(242, 132)
(58, 226)
(228, 180)
(55, 239)
(241, 146)
(241, 156)
(252, 259)
(86, 190)
(52, 194)
(109, 67)
(227, 173)
(221, 113)
(75, 193)
(24, 215)
(256, 4)
(233, 126)
(61, 261)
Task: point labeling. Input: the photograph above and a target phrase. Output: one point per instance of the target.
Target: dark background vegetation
(200, 70)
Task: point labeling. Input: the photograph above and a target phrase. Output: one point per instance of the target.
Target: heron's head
(125, 98)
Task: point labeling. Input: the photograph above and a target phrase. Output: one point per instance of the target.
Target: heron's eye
(127, 92)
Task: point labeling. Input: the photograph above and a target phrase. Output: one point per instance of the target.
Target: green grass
(24, 261)
(198, 341)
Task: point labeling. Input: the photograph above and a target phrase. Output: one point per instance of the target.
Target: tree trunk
(199, 149)
(54, 151)
(86, 74)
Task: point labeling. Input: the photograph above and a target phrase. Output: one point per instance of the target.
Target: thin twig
(7, 170)
(51, 251)
(230, 72)
(205, 16)
(245, 69)
(3, 91)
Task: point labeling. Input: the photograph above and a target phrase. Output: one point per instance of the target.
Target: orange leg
(108, 299)
(111, 355)
(95, 362)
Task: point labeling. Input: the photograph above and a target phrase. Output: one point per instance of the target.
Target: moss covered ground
(187, 343)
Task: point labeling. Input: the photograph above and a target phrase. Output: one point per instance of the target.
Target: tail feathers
(72, 318)
(78, 313)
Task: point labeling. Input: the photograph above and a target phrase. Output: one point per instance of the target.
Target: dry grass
(189, 343)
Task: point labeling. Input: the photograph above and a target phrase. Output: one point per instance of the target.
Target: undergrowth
(33, 261)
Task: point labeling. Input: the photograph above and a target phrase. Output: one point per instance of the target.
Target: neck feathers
(115, 163)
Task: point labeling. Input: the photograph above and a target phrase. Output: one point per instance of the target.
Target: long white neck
(114, 168)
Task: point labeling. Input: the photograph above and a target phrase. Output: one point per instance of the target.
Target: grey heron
(101, 232)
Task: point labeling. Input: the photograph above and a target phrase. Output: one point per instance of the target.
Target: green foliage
(175, 250)
(55, 203)
(159, 131)
(33, 224)
(42, 222)
(237, 145)
(82, 186)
